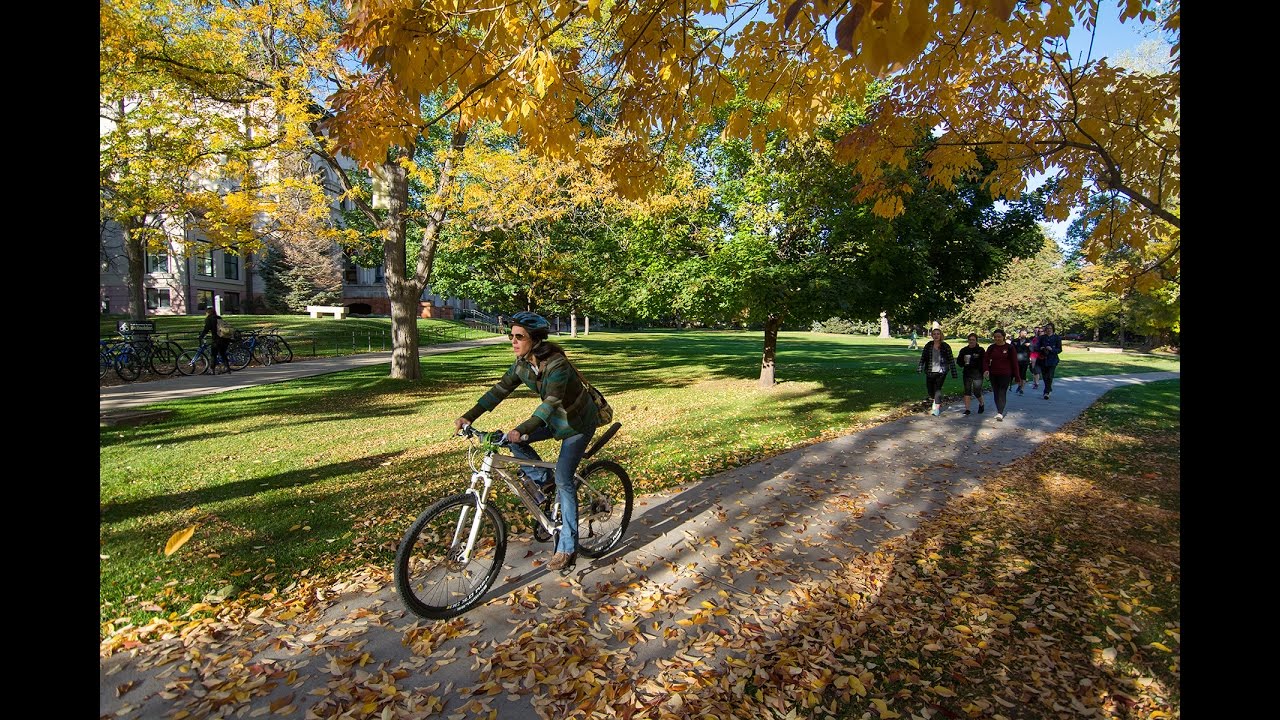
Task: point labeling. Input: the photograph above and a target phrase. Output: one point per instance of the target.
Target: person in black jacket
(935, 360)
(972, 358)
(220, 344)
(1049, 350)
(1022, 346)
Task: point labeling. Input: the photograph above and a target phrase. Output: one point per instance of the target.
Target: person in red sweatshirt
(1000, 366)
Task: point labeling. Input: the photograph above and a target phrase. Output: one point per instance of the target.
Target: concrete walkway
(707, 562)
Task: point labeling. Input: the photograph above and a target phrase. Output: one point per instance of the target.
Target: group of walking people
(1003, 363)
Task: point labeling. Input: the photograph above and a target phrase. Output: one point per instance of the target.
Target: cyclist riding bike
(568, 413)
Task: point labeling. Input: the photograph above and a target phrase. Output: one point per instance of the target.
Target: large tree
(841, 258)
(1027, 292)
(994, 75)
(208, 112)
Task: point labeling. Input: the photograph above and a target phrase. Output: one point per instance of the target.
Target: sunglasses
(518, 336)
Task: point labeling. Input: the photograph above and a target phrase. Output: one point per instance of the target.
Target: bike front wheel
(193, 362)
(433, 578)
(605, 501)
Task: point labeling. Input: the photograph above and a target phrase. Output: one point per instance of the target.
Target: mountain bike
(256, 346)
(200, 361)
(139, 353)
(196, 362)
(107, 355)
(280, 350)
(453, 552)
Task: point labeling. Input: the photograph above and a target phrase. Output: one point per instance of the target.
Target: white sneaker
(1000, 417)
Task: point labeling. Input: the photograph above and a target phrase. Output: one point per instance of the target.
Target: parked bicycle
(280, 350)
(453, 552)
(252, 347)
(265, 346)
(200, 361)
(135, 355)
(107, 356)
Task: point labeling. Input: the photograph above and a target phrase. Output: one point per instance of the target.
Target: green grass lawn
(315, 476)
(322, 337)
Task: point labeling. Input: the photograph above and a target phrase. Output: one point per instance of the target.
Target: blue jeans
(571, 450)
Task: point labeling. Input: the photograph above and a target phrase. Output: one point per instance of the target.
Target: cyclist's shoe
(966, 412)
(982, 409)
(560, 560)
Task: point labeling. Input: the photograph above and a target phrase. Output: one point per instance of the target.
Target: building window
(157, 262)
(231, 303)
(204, 263)
(204, 300)
(230, 266)
(157, 298)
(377, 274)
(349, 271)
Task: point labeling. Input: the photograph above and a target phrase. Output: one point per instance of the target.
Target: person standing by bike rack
(214, 325)
(569, 412)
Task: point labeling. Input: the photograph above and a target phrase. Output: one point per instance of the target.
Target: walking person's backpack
(225, 331)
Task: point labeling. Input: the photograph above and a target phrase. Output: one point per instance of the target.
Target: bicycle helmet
(537, 325)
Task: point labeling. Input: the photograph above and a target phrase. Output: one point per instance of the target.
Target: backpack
(604, 413)
(225, 331)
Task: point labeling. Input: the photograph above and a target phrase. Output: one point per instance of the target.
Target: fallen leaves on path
(1045, 594)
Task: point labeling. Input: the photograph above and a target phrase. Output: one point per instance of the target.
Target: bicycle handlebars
(497, 437)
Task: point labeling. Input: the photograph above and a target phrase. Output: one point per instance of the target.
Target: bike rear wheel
(239, 356)
(264, 352)
(605, 501)
(128, 365)
(431, 577)
(164, 357)
(284, 353)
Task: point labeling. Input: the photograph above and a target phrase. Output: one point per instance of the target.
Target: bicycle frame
(492, 465)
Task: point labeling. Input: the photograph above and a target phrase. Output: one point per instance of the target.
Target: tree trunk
(406, 292)
(403, 292)
(573, 323)
(586, 324)
(135, 267)
(767, 369)
(404, 336)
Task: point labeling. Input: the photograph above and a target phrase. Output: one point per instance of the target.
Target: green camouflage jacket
(565, 407)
